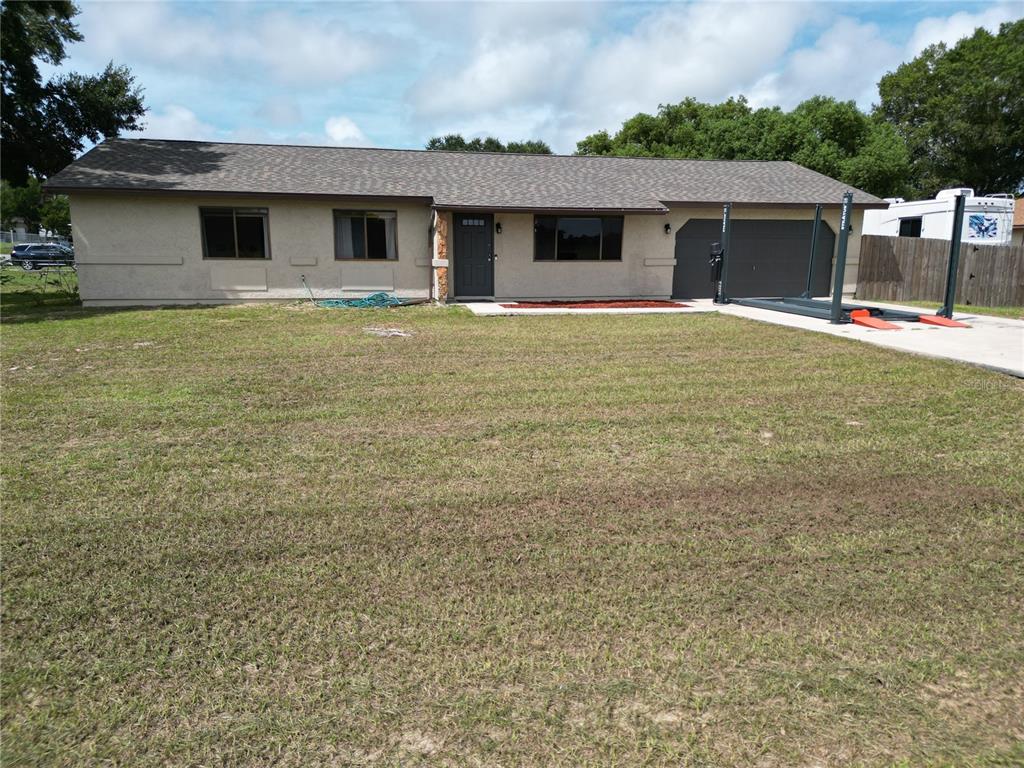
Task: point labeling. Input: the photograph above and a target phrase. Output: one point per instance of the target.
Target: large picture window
(365, 235)
(577, 238)
(235, 233)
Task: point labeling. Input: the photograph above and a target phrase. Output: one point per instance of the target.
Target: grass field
(263, 536)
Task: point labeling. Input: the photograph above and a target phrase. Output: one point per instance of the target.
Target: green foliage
(829, 136)
(45, 125)
(21, 203)
(529, 147)
(454, 142)
(55, 215)
(961, 112)
(29, 204)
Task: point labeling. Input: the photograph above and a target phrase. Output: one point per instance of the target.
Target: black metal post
(814, 249)
(721, 290)
(836, 315)
(954, 258)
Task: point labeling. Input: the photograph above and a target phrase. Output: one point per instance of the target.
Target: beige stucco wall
(648, 255)
(147, 249)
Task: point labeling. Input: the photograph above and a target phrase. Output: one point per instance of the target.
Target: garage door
(768, 258)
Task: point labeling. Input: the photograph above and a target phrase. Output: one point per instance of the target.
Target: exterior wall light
(668, 228)
(497, 227)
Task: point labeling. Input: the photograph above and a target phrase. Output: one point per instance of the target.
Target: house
(159, 222)
(1017, 238)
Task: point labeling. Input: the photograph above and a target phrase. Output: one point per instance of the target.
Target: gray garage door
(768, 258)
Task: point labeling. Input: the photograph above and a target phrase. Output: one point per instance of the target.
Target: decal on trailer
(982, 227)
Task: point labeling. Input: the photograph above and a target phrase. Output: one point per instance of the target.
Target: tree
(51, 212)
(454, 142)
(960, 111)
(45, 125)
(829, 136)
(21, 203)
(55, 215)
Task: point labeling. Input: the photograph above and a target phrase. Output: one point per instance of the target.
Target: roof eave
(77, 190)
(651, 211)
(789, 204)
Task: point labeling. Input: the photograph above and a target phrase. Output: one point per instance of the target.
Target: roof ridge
(437, 151)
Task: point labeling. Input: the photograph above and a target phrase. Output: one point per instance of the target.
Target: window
(577, 238)
(910, 227)
(235, 233)
(365, 235)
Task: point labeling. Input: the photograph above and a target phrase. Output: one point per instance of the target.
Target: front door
(474, 255)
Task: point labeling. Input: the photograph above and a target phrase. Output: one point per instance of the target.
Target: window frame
(264, 213)
(364, 214)
(910, 220)
(558, 217)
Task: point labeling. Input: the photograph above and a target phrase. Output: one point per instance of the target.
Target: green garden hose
(379, 300)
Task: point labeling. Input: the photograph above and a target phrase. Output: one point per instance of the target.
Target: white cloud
(234, 44)
(951, 29)
(845, 61)
(528, 67)
(177, 122)
(503, 72)
(849, 58)
(344, 132)
(301, 51)
(520, 55)
(704, 50)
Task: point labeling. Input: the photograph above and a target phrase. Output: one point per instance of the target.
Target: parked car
(32, 255)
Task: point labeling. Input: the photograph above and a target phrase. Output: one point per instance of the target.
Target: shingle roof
(450, 179)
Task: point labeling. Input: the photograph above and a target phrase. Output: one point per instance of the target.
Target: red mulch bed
(620, 304)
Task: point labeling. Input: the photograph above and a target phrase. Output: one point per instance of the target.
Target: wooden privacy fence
(914, 269)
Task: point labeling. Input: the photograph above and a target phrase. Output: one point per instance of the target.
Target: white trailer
(987, 219)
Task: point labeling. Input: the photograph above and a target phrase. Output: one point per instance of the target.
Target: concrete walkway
(991, 342)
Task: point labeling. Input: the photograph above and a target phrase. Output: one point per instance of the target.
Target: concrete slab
(991, 342)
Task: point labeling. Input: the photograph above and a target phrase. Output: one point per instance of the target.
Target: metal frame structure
(835, 310)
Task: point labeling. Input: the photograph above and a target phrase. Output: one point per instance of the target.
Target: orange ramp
(945, 322)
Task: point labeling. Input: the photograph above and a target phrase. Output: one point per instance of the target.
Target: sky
(394, 74)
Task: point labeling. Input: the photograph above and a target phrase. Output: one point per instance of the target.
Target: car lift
(834, 310)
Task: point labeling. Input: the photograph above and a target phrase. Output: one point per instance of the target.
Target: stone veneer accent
(441, 273)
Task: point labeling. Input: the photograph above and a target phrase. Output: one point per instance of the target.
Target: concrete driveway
(991, 342)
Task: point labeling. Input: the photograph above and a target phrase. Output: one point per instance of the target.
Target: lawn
(262, 535)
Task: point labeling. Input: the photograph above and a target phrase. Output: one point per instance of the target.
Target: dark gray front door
(474, 254)
(768, 257)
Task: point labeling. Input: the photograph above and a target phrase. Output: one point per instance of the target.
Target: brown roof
(449, 179)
